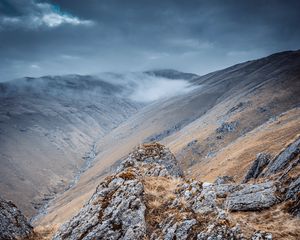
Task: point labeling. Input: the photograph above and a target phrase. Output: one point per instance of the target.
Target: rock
(219, 232)
(222, 190)
(252, 197)
(183, 229)
(261, 161)
(148, 198)
(284, 158)
(293, 189)
(115, 210)
(224, 180)
(227, 127)
(13, 224)
(177, 230)
(153, 153)
(293, 195)
(294, 207)
(262, 236)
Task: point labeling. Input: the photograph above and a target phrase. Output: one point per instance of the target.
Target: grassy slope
(266, 87)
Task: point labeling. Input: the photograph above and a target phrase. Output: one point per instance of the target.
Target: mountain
(233, 134)
(215, 129)
(48, 127)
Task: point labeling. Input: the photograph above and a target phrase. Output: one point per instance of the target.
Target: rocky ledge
(149, 198)
(13, 224)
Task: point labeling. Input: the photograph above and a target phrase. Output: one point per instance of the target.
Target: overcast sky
(91, 36)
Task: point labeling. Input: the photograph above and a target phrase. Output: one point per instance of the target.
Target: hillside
(49, 125)
(216, 129)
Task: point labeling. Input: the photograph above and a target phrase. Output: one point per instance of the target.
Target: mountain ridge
(244, 98)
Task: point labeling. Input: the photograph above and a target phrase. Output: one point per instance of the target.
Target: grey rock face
(117, 210)
(252, 197)
(13, 224)
(258, 165)
(153, 153)
(293, 194)
(293, 189)
(219, 232)
(227, 127)
(114, 211)
(135, 203)
(284, 158)
(175, 229)
(262, 236)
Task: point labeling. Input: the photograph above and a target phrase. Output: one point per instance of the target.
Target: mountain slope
(226, 107)
(47, 124)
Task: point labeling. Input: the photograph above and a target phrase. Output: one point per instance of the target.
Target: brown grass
(128, 175)
(275, 220)
(159, 193)
(44, 233)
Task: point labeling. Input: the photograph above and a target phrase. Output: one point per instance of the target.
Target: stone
(284, 158)
(261, 161)
(13, 224)
(115, 210)
(130, 204)
(293, 189)
(227, 127)
(252, 197)
(259, 235)
(224, 180)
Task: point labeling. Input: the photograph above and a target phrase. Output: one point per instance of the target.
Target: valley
(59, 142)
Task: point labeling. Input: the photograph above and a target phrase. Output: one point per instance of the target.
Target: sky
(57, 37)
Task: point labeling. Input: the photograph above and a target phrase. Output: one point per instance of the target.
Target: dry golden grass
(159, 193)
(44, 232)
(128, 175)
(236, 158)
(275, 220)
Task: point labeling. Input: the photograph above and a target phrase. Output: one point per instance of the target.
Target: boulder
(115, 211)
(13, 224)
(261, 161)
(284, 159)
(252, 197)
(153, 153)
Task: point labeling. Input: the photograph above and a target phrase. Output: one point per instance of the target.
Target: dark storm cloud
(63, 36)
(32, 15)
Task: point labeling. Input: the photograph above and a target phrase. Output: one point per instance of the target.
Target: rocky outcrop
(149, 198)
(155, 154)
(252, 197)
(227, 127)
(283, 169)
(284, 159)
(13, 224)
(257, 167)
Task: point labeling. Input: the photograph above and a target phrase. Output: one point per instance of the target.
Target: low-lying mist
(145, 87)
(142, 87)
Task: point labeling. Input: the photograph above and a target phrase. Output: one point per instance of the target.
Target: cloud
(35, 66)
(33, 15)
(142, 87)
(195, 36)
